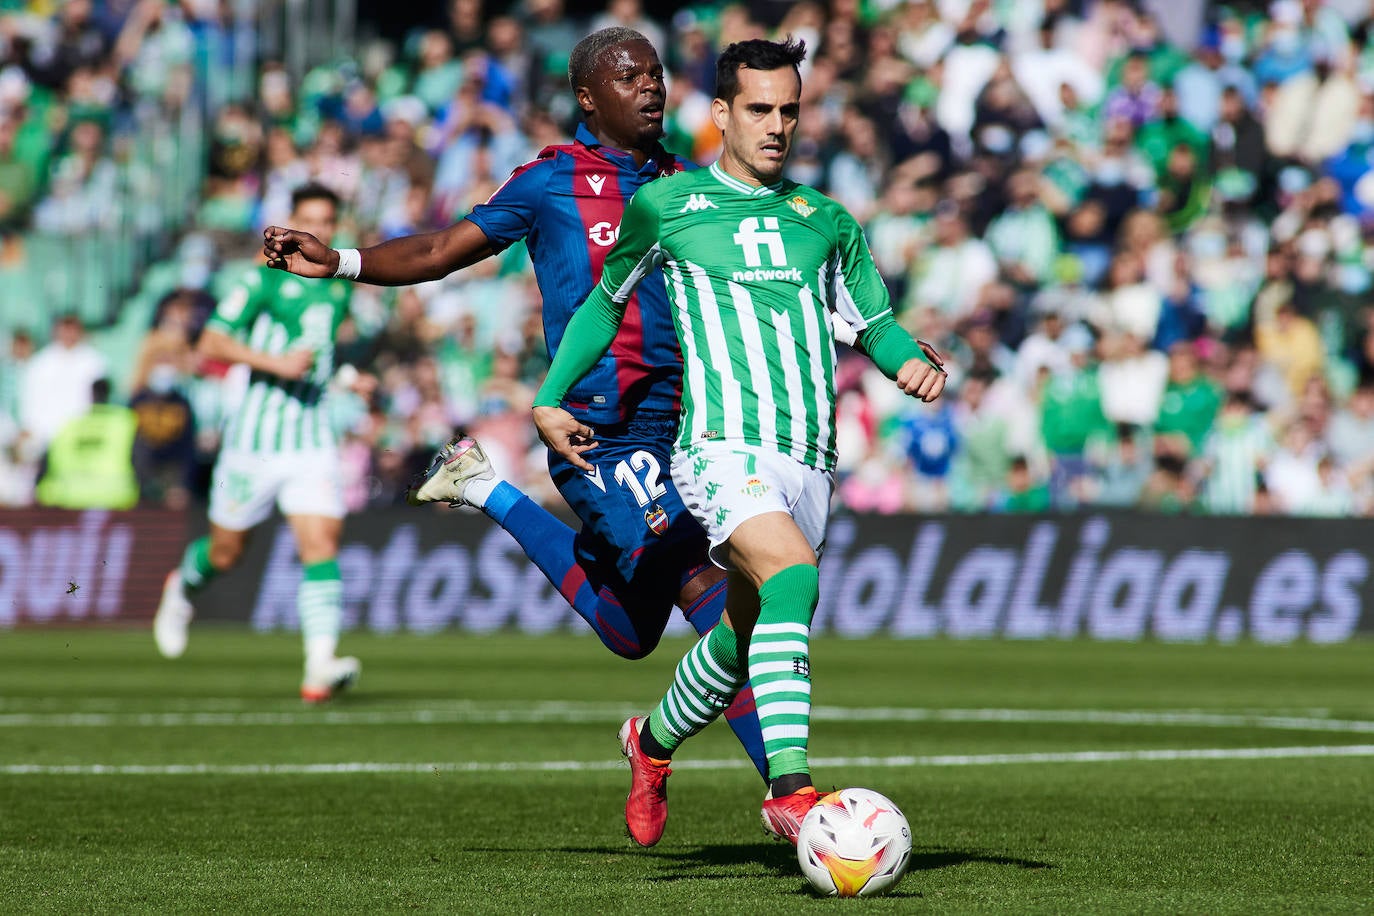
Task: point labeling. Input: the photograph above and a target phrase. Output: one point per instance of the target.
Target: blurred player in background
(758, 267)
(639, 550)
(277, 448)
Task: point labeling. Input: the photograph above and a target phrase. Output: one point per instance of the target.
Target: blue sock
(502, 499)
(741, 716)
(551, 546)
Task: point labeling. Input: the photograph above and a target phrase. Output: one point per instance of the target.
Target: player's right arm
(398, 262)
(233, 315)
(491, 227)
(217, 345)
(594, 325)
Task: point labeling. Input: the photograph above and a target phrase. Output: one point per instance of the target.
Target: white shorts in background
(245, 486)
(724, 484)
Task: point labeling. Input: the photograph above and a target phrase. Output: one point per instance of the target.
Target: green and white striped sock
(707, 679)
(780, 666)
(320, 604)
(196, 571)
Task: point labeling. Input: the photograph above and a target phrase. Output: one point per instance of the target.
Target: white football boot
(457, 464)
(173, 619)
(324, 679)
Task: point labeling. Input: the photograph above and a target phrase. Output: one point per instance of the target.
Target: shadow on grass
(931, 859)
(722, 861)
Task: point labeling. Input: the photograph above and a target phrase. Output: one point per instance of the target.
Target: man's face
(760, 121)
(68, 332)
(317, 216)
(626, 94)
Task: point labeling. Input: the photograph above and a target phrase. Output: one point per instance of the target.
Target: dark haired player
(278, 447)
(759, 270)
(639, 550)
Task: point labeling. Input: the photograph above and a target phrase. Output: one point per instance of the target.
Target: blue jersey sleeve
(509, 215)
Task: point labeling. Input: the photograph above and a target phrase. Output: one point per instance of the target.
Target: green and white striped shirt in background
(276, 312)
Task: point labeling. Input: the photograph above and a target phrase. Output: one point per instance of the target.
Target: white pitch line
(904, 762)
(471, 713)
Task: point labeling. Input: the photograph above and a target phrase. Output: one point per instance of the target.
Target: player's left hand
(563, 433)
(920, 379)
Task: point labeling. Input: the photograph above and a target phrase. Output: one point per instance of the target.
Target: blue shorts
(634, 521)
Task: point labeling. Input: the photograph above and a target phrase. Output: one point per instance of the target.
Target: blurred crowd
(1141, 244)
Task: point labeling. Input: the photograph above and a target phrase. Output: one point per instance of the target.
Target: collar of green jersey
(735, 184)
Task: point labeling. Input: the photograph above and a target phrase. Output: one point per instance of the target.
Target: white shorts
(245, 485)
(724, 485)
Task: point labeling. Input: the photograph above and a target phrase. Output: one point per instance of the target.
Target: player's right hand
(562, 432)
(294, 365)
(298, 252)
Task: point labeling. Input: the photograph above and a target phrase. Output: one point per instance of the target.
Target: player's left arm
(593, 327)
(861, 300)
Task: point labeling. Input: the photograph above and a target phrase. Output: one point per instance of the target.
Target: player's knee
(635, 641)
(632, 653)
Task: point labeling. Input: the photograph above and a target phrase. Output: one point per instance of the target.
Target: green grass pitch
(481, 775)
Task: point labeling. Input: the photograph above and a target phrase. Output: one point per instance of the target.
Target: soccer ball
(854, 843)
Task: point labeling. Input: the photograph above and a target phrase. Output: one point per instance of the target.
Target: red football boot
(782, 817)
(646, 807)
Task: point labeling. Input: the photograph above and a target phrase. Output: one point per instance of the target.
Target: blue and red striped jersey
(567, 205)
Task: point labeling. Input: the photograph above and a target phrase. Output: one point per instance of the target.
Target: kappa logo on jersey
(596, 182)
(603, 233)
(698, 202)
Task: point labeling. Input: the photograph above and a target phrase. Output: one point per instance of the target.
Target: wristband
(350, 264)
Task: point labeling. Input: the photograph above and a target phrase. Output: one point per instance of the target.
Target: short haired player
(758, 270)
(278, 449)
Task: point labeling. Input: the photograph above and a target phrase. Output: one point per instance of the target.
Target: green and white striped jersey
(277, 312)
(755, 276)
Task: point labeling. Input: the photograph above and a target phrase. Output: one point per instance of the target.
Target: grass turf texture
(1186, 836)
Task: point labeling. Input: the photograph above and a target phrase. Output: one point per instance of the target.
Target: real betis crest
(799, 204)
(657, 519)
(754, 487)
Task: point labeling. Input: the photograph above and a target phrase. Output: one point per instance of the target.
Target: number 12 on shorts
(647, 489)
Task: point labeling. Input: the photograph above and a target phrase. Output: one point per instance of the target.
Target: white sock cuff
(477, 491)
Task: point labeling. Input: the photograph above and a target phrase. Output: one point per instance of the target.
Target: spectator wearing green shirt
(1190, 404)
(18, 180)
(1235, 455)
(1071, 419)
(1023, 237)
(1024, 493)
(1157, 138)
